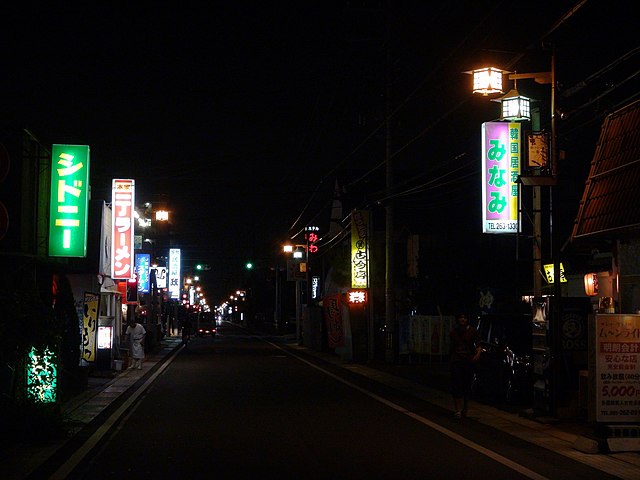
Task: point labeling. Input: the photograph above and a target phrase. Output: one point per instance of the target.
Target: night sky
(242, 115)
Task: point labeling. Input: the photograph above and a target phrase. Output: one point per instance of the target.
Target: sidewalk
(417, 380)
(572, 439)
(23, 460)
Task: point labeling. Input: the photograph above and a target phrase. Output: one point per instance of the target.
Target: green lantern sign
(69, 200)
(42, 376)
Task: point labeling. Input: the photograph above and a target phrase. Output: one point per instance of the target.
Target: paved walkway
(561, 438)
(22, 460)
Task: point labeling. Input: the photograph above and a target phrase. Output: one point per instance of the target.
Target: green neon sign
(69, 201)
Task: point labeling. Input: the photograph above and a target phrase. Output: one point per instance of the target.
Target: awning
(610, 205)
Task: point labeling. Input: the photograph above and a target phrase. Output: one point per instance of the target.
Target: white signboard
(174, 273)
(617, 354)
(161, 277)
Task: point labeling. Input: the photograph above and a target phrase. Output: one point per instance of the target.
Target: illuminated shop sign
(312, 238)
(105, 336)
(174, 272)
(161, 277)
(359, 249)
(89, 326)
(315, 288)
(549, 272)
(143, 269)
(617, 368)
(69, 199)
(357, 296)
(500, 170)
(122, 205)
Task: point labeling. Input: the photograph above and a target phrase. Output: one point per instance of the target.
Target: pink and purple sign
(501, 158)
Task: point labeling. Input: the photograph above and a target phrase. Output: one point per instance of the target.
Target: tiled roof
(610, 205)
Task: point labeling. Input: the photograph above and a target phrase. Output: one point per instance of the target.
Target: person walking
(464, 350)
(187, 328)
(135, 334)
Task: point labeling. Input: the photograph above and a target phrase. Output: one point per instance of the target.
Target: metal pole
(368, 306)
(390, 308)
(277, 312)
(298, 310)
(537, 241)
(556, 314)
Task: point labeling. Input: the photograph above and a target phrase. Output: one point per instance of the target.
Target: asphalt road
(242, 406)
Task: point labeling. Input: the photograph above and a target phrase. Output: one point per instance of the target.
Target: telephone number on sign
(513, 226)
(620, 391)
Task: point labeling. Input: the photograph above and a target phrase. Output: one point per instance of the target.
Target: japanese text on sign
(69, 200)
(500, 171)
(359, 249)
(123, 201)
(617, 368)
(174, 273)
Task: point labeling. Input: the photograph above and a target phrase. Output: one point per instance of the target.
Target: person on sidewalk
(464, 351)
(135, 334)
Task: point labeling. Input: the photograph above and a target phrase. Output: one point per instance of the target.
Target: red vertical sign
(333, 320)
(122, 206)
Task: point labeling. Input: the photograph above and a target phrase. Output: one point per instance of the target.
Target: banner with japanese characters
(617, 368)
(90, 326)
(175, 282)
(501, 159)
(143, 271)
(333, 320)
(122, 252)
(360, 249)
(68, 208)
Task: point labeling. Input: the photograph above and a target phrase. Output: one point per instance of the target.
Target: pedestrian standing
(465, 349)
(185, 321)
(135, 334)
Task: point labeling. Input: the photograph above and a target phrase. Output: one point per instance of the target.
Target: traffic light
(199, 266)
(249, 265)
(132, 290)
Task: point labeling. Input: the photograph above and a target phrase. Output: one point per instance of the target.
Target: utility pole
(556, 314)
(390, 314)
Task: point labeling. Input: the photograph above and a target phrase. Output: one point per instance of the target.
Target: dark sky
(242, 113)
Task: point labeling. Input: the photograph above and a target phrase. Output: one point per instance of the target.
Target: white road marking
(66, 468)
(454, 436)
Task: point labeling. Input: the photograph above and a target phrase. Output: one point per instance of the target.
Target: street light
(488, 80)
(515, 107)
(300, 255)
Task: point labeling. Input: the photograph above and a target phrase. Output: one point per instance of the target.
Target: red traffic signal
(132, 290)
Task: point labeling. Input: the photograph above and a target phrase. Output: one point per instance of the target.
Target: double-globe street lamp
(298, 267)
(542, 171)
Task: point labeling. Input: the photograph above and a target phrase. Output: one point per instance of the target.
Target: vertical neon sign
(174, 272)
(69, 199)
(500, 170)
(143, 270)
(359, 249)
(122, 205)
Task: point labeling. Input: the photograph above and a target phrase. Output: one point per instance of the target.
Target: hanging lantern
(487, 80)
(515, 106)
(591, 284)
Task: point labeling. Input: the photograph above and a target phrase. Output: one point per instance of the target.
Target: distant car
(504, 372)
(206, 326)
(206, 329)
